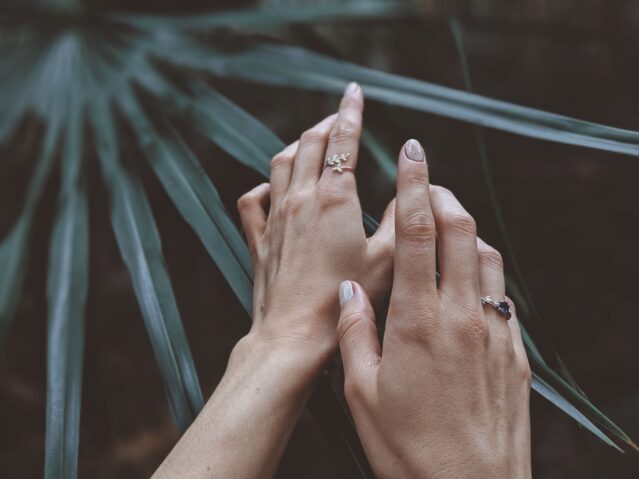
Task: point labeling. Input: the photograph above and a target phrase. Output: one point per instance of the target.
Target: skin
(447, 395)
(311, 240)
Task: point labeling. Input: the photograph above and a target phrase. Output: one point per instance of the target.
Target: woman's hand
(312, 240)
(313, 237)
(447, 396)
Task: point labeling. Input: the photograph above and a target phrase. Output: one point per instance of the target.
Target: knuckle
(343, 130)
(461, 224)
(348, 322)
(280, 160)
(489, 256)
(293, 203)
(417, 227)
(525, 372)
(244, 202)
(505, 343)
(329, 195)
(422, 322)
(261, 251)
(474, 331)
(353, 391)
(386, 252)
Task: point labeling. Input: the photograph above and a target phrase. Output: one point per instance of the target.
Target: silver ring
(336, 162)
(500, 305)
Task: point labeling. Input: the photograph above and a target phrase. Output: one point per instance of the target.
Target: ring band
(500, 305)
(336, 162)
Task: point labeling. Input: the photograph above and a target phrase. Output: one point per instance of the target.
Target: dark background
(572, 214)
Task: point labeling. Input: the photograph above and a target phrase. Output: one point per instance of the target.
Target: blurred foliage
(88, 78)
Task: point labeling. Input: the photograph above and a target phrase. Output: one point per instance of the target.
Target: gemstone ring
(500, 305)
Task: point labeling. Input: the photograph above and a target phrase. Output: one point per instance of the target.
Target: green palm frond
(67, 294)
(139, 242)
(146, 73)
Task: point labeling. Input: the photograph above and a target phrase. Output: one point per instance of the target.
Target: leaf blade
(547, 391)
(295, 67)
(66, 293)
(13, 248)
(140, 247)
(197, 200)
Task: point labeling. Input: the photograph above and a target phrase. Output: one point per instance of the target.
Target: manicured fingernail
(414, 150)
(345, 291)
(351, 88)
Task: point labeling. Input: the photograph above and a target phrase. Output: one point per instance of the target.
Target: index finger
(343, 140)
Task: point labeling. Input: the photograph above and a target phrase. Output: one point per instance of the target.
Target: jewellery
(501, 305)
(336, 161)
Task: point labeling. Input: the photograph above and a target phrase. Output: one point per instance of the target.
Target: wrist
(295, 363)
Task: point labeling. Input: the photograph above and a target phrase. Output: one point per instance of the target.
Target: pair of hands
(447, 394)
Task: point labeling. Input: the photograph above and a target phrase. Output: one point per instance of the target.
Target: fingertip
(351, 89)
(412, 171)
(353, 96)
(345, 292)
(263, 188)
(414, 151)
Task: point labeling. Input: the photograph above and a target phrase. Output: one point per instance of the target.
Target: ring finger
(491, 283)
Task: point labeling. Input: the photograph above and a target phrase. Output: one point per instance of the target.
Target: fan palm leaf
(107, 65)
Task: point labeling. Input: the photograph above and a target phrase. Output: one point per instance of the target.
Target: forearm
(245, 426)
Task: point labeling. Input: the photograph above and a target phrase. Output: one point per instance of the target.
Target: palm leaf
(67, 292)
(289, 66)
(547, 391)
(54, 61)
(371, 226)
(273, 16)
(380, 154)
(197, 200)
(221, 121)
(13, 248)
(139, 243)
(329, 413)
(570, 390)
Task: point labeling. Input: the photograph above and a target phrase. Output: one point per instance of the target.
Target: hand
(312, 240)
(447, 396)
(313, 237)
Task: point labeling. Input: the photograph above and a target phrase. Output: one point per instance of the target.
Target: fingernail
(414, 150)
(351, 88)
(345, 291)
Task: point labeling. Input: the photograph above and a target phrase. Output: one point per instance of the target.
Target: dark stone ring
(501, 305)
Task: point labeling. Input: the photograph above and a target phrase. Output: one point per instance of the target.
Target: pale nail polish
(414, 150)
(345, 291)
(351, 88)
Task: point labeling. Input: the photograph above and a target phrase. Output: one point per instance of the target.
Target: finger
(415, 255)
(491, 283)
(281, 169)
(253, 215)
(357, 335)
(383, 241)
(515, 334)
(310, 154)
(343, 141)
(491, 271)
(457, 246)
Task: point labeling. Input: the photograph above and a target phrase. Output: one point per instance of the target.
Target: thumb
(357, 333)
